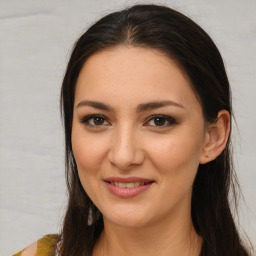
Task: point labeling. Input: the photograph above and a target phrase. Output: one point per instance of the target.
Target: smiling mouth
(128, 184)
(128, 187)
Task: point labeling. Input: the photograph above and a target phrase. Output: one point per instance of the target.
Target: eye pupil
(159, 121)
(98, 120)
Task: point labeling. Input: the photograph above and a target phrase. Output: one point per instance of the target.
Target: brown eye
(161, 121)
(94, 120)
(98, 120)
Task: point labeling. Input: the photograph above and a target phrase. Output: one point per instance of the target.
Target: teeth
(128, 185)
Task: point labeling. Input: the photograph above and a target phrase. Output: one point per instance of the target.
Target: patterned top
(46, 246)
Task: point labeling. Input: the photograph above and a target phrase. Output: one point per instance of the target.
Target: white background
(36, 38)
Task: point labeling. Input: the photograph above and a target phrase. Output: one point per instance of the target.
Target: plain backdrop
(36, 38)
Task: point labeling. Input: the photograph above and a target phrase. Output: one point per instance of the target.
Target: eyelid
(171, 120)
(84, 120)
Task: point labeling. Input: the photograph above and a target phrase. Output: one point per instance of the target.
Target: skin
(127, 142)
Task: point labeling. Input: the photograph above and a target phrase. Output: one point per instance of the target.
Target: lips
(129, 184)
(127, 187)
(128, 179)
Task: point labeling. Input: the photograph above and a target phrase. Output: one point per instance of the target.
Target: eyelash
(85, 120)
(170, 120)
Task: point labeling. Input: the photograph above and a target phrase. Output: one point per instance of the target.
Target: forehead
(133, 74)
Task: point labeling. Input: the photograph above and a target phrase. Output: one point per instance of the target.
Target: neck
(161, 239)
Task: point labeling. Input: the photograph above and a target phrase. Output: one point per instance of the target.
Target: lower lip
(127, 192)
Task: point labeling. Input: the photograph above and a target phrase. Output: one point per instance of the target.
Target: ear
(216, 137)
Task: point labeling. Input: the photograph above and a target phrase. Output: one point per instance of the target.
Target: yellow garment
(45, 246)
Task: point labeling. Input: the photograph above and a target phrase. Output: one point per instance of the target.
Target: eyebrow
(157, 104)
(95, 104)
(140, 108)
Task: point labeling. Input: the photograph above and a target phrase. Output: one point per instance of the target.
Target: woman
(147, 113)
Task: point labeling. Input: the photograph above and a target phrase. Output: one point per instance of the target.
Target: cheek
(177, 154)
(88, 151)
(176, 161)
(88, 154)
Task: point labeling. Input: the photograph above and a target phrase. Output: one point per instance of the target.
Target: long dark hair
(164, 29)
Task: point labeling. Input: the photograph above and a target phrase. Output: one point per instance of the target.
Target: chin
(128, 223)
(124, 219)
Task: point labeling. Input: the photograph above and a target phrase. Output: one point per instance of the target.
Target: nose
(125, 150)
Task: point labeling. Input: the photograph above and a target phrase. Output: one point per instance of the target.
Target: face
(137, 137)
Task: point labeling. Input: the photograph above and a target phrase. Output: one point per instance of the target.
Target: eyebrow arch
(95, 104)
(157, 104)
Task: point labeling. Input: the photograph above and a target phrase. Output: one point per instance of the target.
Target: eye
(161, 121)
(94, 120)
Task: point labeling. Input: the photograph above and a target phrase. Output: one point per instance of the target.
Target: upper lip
(128, 179)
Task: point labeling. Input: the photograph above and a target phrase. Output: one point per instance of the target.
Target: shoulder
(29, 251)
(43, 247)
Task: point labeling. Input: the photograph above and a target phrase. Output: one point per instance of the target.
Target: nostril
(124, 159)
